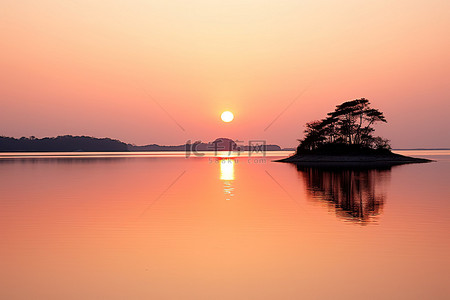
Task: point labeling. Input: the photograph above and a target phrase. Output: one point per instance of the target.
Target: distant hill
(69, 143)
(66, 143)
(219, 144)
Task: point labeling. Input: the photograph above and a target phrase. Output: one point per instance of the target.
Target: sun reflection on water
(227, 175)
(227, 169)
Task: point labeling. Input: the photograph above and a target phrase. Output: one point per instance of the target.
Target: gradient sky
(132, 70)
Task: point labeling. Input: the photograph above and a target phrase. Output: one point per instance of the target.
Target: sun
(227, 116)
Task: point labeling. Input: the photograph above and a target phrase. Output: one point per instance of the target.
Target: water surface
(160, 226)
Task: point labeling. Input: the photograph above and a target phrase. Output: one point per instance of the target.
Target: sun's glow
(227, 116)
(227, 169)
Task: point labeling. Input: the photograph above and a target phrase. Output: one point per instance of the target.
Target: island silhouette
(346, 136)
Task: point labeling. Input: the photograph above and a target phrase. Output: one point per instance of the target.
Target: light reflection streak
(227, 175)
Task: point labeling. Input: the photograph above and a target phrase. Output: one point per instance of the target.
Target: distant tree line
(66, 143)
(69, 143)
(350, 125)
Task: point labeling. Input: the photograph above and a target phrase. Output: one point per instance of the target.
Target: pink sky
(88, 68)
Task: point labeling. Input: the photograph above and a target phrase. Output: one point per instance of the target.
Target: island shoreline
(352, 160)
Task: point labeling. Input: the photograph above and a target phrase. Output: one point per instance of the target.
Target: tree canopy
(350, 124)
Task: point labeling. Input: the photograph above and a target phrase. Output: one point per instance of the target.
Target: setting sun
(227, 116)
(123, 171)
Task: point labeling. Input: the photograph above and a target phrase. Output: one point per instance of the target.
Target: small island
(346, 137)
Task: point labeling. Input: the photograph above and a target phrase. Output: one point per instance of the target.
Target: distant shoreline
(417, 149)
(70, 143)
(137, 151)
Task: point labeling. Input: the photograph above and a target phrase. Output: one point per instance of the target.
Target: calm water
(160, 226)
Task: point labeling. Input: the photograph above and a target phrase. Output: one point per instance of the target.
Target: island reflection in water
(355, 194)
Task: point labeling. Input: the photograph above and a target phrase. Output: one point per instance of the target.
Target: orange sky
(92, 68)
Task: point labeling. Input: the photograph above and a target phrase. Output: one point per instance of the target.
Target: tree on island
(348, 128)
